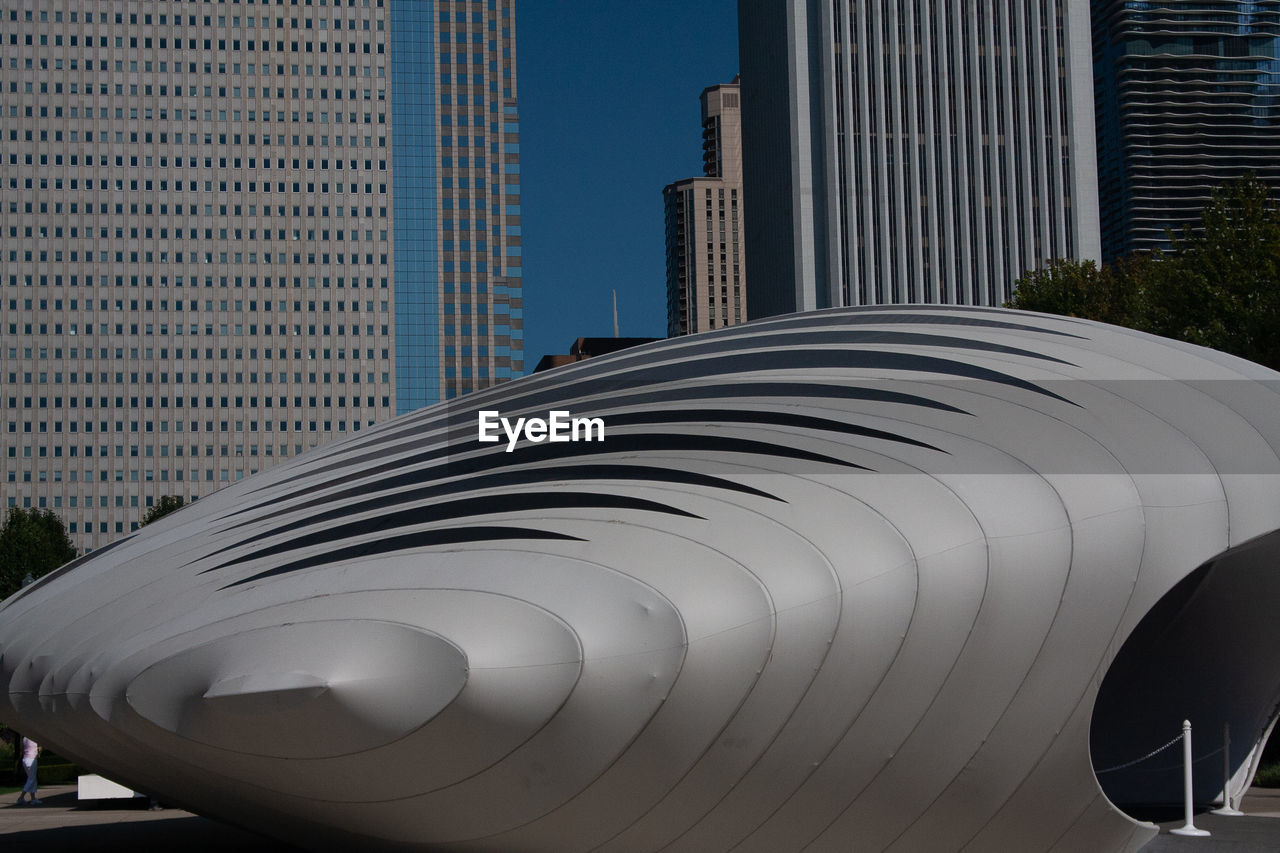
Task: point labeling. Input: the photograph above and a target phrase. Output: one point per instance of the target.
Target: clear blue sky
(609, 114)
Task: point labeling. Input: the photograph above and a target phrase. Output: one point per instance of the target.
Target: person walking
(30, 752)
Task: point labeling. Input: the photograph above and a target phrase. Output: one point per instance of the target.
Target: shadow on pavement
(62, 824)
(190, 834)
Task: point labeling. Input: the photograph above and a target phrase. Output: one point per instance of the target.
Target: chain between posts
(1151, 754)
(1169, 767)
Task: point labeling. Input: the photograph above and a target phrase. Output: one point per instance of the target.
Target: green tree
(1220, 284)
(162, 507)
(1082, 289)
(1217, 286)
(32, 542)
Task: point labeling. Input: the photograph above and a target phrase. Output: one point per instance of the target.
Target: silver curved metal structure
(894, 578)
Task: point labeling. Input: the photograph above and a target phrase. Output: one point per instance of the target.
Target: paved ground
(1257, 832)
(62, 826)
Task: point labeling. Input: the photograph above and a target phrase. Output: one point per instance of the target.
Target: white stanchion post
(1189, 827)
(1226, 775)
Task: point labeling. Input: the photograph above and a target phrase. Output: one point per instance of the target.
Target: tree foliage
(1217, 286)
(32, 542)
(162, 507)
(1081, 289)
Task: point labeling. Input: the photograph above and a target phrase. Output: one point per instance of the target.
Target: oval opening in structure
(1208, 652)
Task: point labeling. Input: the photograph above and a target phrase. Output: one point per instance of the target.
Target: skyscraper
(1188, 98)
(234, 231)
(918, 151)
(706, 280)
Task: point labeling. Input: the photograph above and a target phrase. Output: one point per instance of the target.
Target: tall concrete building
(1188, 98)
(921, 151)
(233, 231)
(706, 276)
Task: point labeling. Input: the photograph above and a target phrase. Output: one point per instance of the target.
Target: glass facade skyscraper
(232, 231)
(1188, 97)
(477, 300)
(415, 149)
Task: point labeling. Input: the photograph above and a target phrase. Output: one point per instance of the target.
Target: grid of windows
(704, 256)
(705, 278)
(196, 270)
(480, 311)
(204, 267)
(417, 283)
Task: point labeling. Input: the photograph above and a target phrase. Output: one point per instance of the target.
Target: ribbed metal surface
(1188, 98)
(842, 581)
